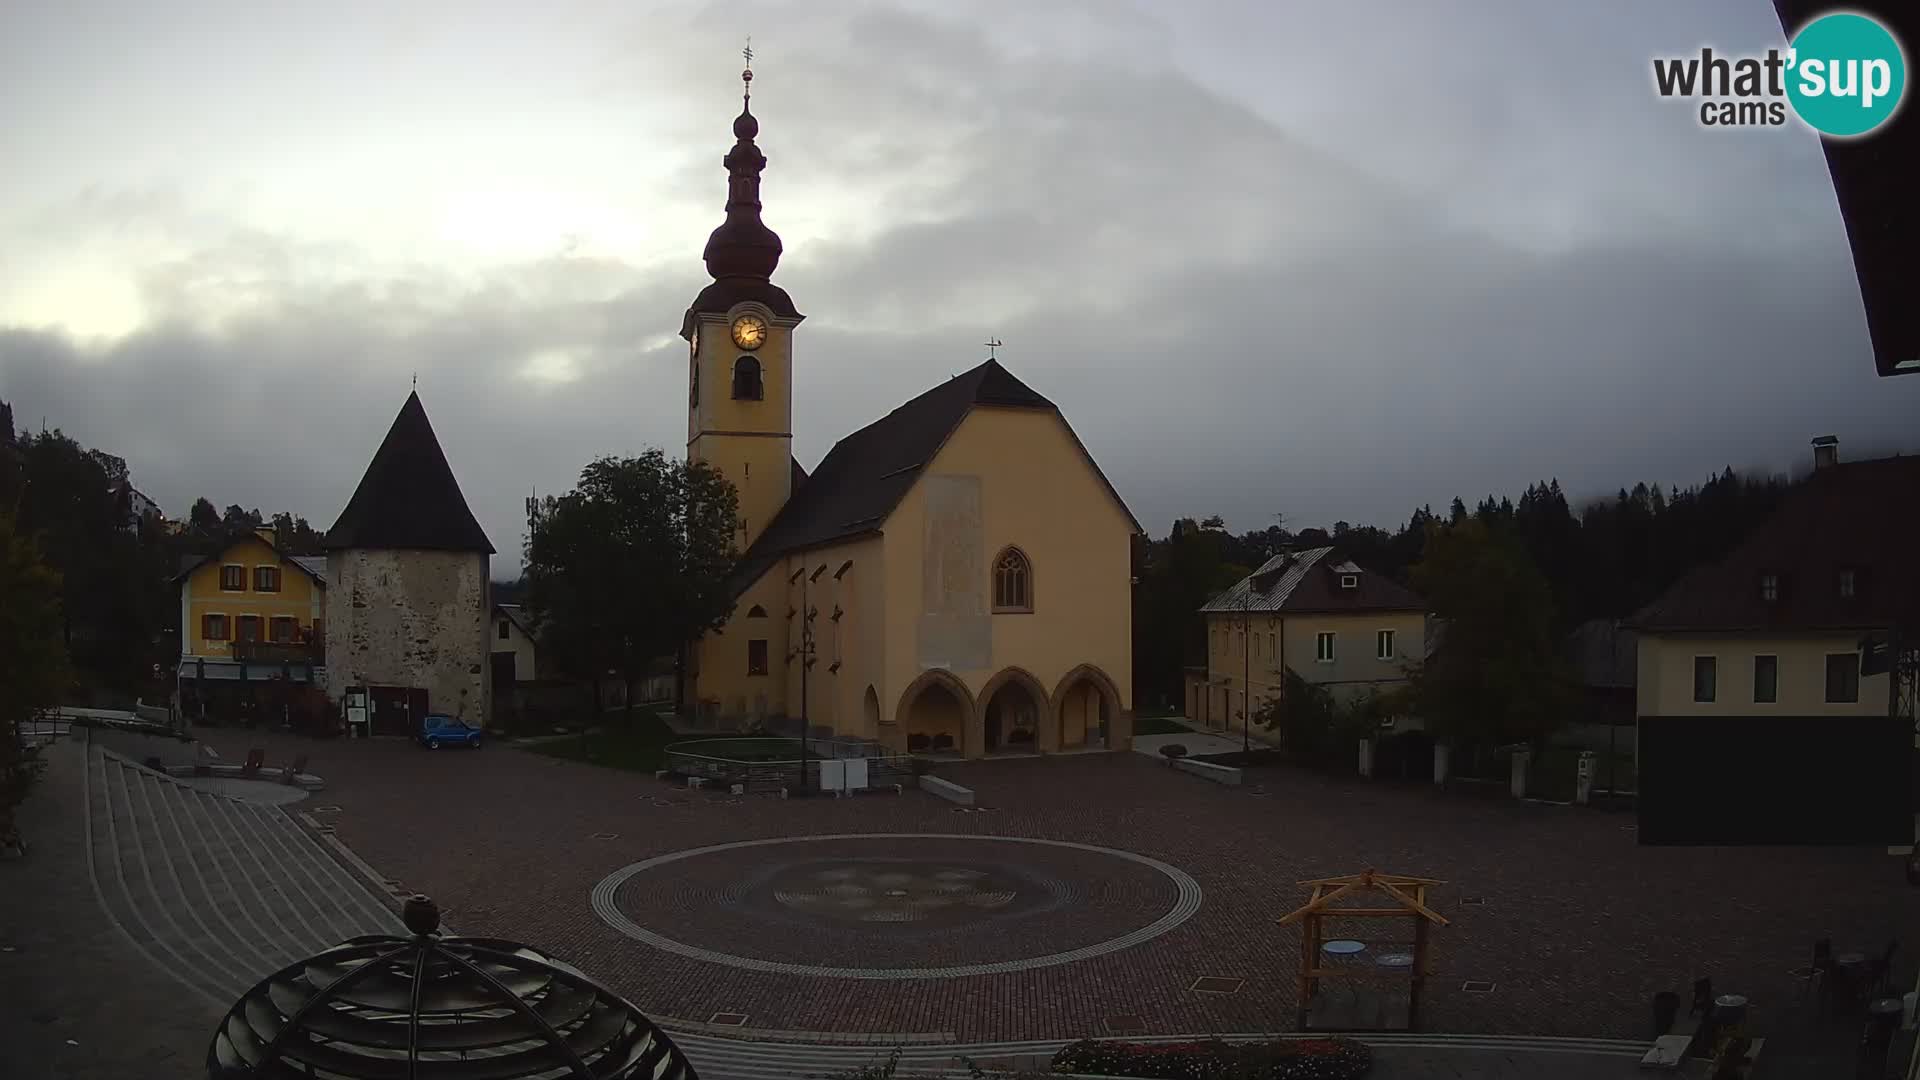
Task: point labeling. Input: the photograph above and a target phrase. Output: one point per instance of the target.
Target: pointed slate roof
(408, 497)
(857, 485)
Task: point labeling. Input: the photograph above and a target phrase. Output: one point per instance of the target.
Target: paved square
(1578, 928)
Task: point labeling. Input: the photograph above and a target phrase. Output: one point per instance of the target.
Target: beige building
(1330, 621)
(1760, 716)
(953, 577)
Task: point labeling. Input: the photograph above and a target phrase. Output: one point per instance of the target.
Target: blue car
(438, 729)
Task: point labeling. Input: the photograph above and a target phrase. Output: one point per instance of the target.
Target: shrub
(1280, 1059)
(1174, 751)
(920, 766)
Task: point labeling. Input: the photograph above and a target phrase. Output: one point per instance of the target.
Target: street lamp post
(1246, 669)
(805, 654)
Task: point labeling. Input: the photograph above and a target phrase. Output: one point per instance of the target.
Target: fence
(771, 764)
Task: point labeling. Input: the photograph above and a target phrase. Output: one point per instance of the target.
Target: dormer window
(1349, 581)
(1848, 584)
(746, 379)
(1770, 587)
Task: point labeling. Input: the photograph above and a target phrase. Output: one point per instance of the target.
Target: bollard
(1583, 778)
(1366, 757)
(1441, 757)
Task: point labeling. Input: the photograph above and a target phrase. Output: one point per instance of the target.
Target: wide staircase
(218, 891)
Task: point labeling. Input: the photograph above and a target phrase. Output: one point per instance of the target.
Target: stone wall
(411, 619)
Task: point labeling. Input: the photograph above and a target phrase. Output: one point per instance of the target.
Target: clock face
(749, 332)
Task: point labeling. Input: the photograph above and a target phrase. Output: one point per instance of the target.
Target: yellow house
(954, 577)
(1761, 717)
(1328, 620)
(251, 605)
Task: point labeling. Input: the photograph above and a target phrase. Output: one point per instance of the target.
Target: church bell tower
(739, 334)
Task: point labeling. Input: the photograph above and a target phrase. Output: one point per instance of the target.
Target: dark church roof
(1856, 517)
(867, 473)
(408, 497)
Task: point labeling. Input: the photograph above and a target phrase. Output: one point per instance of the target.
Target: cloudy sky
(1330, 261)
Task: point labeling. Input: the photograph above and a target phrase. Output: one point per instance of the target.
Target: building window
(213, 627)
(503, 630)
(233, 578)
(1383, 644)
(1843, 678)
(746, 379)
(266, 579)
(1349, 581)
(756, 612)
(1766, 680)
(1706, 678)
(1323, 646)
(1848, 583)
(283, 629)
(248, 627)
(1769, 587)
(757, 656)
(1012, 582)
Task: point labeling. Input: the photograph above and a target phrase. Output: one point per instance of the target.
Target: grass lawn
(639, 747)
(1158, 725)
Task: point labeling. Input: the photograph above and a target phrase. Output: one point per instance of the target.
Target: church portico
(1011, 720)
(936, 715)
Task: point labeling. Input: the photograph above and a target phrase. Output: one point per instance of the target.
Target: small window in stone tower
(746, 379)
(1012, 582)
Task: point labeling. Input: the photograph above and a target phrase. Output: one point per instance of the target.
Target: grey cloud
(1238, 312)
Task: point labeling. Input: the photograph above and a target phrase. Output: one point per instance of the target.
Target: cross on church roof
(992, 344)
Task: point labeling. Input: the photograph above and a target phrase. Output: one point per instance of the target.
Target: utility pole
(805, 654)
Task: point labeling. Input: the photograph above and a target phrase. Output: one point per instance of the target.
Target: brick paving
(1577, 928)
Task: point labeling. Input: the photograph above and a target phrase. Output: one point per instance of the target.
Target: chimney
(1826, 452)
(265, 533)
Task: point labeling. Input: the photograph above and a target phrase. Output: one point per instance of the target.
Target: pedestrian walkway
(218, 891)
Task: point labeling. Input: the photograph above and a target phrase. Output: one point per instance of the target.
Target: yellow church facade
(954, 578)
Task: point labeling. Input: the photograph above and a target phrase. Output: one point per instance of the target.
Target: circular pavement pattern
(897, 905)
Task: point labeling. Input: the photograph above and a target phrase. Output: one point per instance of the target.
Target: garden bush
(1173, 751)
(1214, 1059)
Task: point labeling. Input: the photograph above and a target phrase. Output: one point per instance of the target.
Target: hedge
(1214, 1059)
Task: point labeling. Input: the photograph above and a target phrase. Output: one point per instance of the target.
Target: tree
(631, 565)
(1314, 726)
(33, 663)
(114, 585)
(1498, 674)
(237, 519)
(294, 536)
(204, 517)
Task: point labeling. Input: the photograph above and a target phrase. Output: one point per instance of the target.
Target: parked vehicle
(438, 729)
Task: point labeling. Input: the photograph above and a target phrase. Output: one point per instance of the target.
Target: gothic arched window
(1012, 581)
(756, 612)
(746, 379)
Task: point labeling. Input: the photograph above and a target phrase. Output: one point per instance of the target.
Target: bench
(947, 789)
(1219, 774)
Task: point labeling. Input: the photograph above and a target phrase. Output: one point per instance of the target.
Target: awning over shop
(231, 671)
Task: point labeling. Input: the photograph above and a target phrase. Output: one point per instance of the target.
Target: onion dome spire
(743, 246)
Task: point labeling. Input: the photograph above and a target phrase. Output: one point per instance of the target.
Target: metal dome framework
(411, 1008)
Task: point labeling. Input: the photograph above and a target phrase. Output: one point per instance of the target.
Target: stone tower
(408, 588)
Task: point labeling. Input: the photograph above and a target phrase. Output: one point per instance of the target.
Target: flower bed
(1281, 1059)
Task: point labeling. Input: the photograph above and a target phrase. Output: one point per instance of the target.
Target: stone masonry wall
(411, 618)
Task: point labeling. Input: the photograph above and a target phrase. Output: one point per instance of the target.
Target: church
(953, 578)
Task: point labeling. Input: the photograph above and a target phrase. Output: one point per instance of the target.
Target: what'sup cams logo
(1843, 75)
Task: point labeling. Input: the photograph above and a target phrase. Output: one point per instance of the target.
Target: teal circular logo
(1846, 74)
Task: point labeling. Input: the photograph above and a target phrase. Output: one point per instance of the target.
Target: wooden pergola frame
(1408, 896)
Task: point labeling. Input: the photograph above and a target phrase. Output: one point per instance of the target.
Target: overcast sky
(1331, 261)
